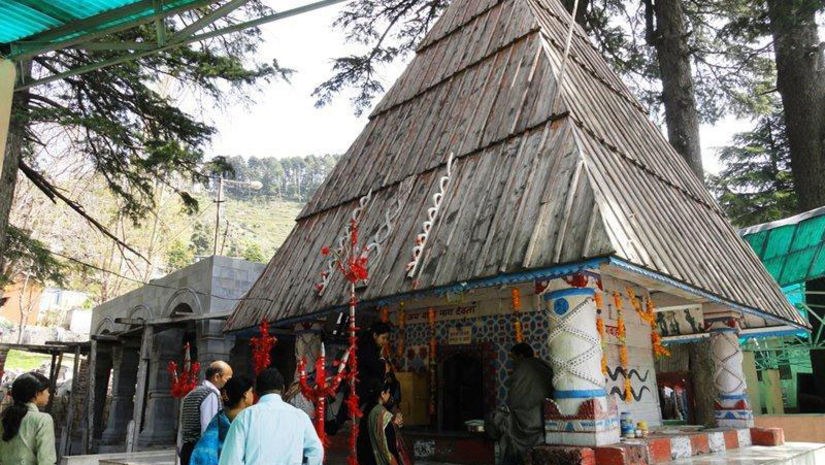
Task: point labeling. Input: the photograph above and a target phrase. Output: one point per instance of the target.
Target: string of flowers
(515, 294)
(658, 349)
(622, 335)
(261, 348)
(185, 380)
(599, 299)
(648, 315)
(402, 334)
(432, 365)
(350, 260)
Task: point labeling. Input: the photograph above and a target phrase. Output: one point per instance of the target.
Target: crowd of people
(221, 423)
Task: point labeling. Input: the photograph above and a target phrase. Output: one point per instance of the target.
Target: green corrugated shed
(792, 248)
(22, 20)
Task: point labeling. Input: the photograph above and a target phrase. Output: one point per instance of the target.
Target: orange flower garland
(517, 327)
(400, 349)
(622, 334)
(597, 297)
(658, 349)
(433, 365)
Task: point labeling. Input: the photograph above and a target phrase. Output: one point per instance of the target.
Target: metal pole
(218, 203)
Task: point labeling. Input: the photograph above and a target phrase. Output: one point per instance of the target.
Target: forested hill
(291, 179)
(254, 222)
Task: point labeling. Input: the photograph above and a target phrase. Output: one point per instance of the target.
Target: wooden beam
(140, 390)
(66, 434)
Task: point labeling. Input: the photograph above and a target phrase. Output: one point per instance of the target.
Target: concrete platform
(155, 457)
(791, 453)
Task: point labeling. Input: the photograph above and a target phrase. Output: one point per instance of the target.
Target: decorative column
(731, 407)
(100, 385)
(582, 414)
(161, 414)
(121, 408)
(213, 345)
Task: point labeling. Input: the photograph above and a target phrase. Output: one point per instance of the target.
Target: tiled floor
(792, 453)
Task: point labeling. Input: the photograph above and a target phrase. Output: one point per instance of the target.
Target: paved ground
(792, 453)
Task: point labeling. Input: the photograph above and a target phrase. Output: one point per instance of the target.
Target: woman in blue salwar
(237, 395)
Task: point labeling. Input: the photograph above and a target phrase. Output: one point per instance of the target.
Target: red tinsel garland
(261, 348)
(352, 263)
(186, 380)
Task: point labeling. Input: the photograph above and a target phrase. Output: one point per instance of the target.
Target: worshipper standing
(27, 435)
(199, 407)
(372, 367)
(237, 395)
(271, 432)
(521, 426)
(384, 429)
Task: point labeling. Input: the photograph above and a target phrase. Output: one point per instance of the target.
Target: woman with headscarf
(26, 434)
(238, 395)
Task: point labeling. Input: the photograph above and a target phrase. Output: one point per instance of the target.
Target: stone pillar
(212, 343)
(161, 413)
(121, 409)
(102, 371)
(582, 414)
(731, 408)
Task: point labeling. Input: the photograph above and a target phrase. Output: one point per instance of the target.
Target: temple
(509, 189)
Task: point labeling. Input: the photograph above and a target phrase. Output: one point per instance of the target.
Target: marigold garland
(518, 329)
(622, 334)
(658, 349)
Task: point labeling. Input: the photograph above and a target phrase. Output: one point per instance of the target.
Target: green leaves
(25, 255)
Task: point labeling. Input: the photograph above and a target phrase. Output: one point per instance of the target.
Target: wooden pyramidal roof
(531, 185)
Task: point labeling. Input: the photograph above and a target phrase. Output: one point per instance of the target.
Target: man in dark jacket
(521, 426)
(199, 406)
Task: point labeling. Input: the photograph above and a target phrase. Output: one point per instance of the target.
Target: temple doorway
(463, 389)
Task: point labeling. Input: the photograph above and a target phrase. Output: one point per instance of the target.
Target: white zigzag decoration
(342, 241)
(401, 195)
(432, 215)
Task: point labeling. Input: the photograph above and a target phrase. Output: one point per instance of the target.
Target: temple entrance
(463, 390)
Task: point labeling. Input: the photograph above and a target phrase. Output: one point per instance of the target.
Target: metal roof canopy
(32, 27)
(792, 248)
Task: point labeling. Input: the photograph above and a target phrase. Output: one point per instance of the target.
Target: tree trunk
(580, 12)
(678, 91)
(14, 149)
(800, 79)
(800, 73)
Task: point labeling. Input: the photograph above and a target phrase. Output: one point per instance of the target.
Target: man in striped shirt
(199, 406)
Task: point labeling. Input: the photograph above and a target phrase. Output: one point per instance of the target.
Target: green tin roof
(792, 248)
(54, 21)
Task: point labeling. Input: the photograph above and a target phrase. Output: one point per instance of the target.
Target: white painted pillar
(582, 414)
(7, 79)
(732, 407)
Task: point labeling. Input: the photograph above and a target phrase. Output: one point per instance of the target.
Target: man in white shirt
(199, 406)
(271, 432)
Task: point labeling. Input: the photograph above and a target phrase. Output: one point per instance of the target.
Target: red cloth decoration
(261, 348)
(185, 380)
